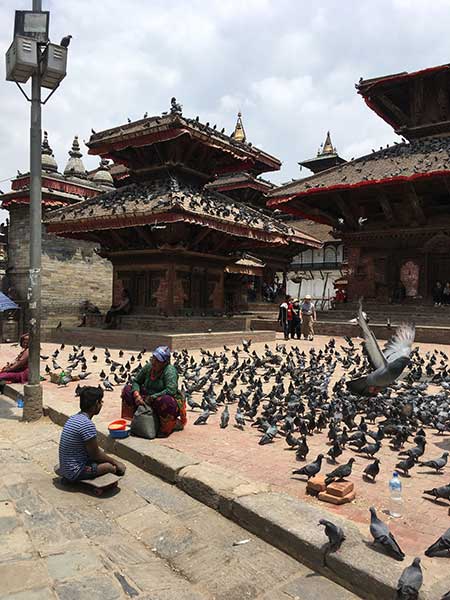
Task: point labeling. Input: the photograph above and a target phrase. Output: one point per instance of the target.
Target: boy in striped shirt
(79, 454)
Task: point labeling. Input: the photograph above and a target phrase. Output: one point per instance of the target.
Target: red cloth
(290, 311)
(15, 376)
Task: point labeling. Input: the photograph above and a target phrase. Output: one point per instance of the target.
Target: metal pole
(33, 390)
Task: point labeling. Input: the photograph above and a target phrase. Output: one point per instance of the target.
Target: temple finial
(239, 131)
(48, 159)
(75, 166)
(328, 147)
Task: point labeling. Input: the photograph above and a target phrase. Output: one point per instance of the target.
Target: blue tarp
(6, 303)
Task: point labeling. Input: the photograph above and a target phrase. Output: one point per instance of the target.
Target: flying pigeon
(388, 364)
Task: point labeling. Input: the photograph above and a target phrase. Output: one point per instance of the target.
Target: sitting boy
(79, 454)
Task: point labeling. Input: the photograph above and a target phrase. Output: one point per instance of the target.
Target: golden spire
(239, 132)
(328, 146)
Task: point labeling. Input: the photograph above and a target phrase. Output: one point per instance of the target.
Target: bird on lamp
(65, 41)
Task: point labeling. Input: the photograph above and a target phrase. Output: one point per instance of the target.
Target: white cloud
(290, 67)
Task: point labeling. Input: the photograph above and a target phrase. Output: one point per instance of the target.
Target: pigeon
(441, 545)
(437, 463)
(65, 42)
(302, 449)
(311, 469)
(201, 419)
(388, 364)
(406, 465)
(107, 385)
(334, 534)
(381, 535)
(239, 418)
(372, 469)
(335, 451)
(410, 582)
(440, 492)
(341, 472)
(224, 418)
(446, 596)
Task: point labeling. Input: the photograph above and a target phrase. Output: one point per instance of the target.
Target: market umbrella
(6, 303)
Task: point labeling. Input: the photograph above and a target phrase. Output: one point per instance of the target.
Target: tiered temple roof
(326, 158)
(170, 200)
(57, 189)
(406, 184)
(170, 158)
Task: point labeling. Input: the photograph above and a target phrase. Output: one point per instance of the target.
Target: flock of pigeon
(288, 394)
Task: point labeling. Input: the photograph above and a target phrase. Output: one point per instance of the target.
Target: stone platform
(429, 334)
(138, 339)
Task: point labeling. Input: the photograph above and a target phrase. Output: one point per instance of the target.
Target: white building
(315, 272)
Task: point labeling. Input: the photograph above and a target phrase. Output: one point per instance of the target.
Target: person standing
(308, 315)
(297, 321)
(437, 293)
(446, 294)
(285, 316)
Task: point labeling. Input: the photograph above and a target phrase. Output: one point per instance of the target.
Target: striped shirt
(73, 455)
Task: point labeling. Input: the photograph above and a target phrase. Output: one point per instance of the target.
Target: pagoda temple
(326, 158)
(72, 272)
(170, 238)
(391, 207)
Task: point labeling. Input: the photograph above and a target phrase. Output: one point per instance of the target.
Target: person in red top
(286, 317)
(17, 370)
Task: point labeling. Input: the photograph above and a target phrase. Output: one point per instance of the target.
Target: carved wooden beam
(395, 110)
(313, 211)
(346, 210)
(199, 237)
(416, 204)
(386, 206)
(117, 238)
(144, 235)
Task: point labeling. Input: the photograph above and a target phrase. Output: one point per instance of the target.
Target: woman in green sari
(156, 385)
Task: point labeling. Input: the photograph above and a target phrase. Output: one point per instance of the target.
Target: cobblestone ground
(148, 541)
(423, 520)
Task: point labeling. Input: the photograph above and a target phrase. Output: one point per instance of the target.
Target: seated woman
(123, 308)
(156, 385)
(17, 370)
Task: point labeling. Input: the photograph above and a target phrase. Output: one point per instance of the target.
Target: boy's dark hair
(89, 396)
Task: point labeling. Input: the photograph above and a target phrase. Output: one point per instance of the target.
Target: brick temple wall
(71, 272)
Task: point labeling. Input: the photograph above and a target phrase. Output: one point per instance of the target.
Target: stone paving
(423, 520)
(148, 541)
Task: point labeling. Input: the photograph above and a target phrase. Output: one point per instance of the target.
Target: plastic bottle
(19, 401)
(396, 500)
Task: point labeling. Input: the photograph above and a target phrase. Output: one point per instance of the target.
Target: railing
(316, 266)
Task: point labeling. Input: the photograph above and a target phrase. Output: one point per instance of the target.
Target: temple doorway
(439, 270)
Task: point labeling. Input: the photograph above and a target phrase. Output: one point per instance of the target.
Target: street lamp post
(31, 55)
(33, 390)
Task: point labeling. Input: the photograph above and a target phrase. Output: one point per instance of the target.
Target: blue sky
(289, 65)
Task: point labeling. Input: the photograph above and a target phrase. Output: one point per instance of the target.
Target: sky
(290, 66)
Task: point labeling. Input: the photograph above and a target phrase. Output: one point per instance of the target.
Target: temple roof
(170, 200)
(415, 104)
(327, 157)
(320, 231)
(406, 162)
(240, 180)
(217, 152)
